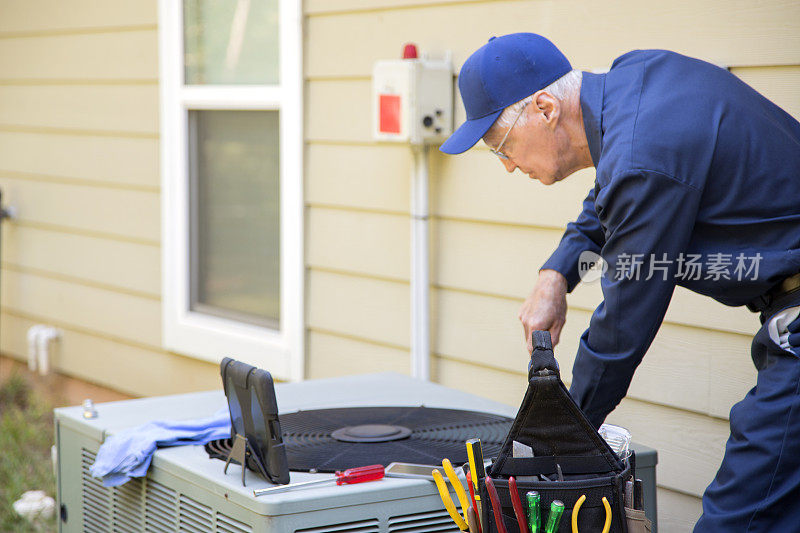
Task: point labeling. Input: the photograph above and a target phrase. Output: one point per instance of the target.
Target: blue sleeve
(582, 235)
(645, 213)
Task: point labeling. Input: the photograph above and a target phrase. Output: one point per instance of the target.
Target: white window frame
(204, 336)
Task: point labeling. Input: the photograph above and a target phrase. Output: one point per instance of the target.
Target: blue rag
(128, 453)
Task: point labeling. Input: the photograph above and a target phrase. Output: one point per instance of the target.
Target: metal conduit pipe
(420, 267)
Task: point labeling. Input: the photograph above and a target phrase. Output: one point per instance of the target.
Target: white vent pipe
(420, 267)
(39, 339)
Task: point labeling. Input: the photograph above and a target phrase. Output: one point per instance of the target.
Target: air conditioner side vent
(226, 524)
(193, 516)
(429, 522)
(96, 498)
(160, 508)
(127, 507)
(145, 505)
(362, 526)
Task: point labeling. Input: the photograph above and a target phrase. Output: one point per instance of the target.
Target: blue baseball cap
(503, 71)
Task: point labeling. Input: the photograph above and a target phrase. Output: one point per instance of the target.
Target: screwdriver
(349, 476)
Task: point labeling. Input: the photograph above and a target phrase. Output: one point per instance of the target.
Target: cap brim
(468, 134)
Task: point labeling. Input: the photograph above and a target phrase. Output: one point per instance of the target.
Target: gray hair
(561, 89)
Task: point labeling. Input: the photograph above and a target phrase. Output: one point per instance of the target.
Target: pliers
(577, 508)
(460, 521)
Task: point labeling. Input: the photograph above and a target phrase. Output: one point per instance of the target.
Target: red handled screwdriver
(349, 476)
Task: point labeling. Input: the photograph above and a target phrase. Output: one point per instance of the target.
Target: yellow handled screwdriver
(477, 472)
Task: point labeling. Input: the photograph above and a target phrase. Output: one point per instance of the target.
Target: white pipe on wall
(33, 333)
(39, 339)
(420, 269)
(45, 337)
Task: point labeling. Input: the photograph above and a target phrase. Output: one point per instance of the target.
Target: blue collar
(592, 86)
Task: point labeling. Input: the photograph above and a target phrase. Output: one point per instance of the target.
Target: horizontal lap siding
(99, 359)
(490, 231)
(591, 34)
(104, 160)
(79, 163)
(127, 110)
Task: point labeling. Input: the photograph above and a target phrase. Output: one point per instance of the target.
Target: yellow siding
(117, 212)
(590, 33)
(79, 162)
(102, 360)
(103, 56)
(63, 301)
(376, 310)
(49, 16)
(350, 176)
(359, 242)
(482, 330)
(104, 160)
(334, 355)
(125, 109)
(490, 231)
(676, 511)
(320, 7)
(129, 266)
(779, 84)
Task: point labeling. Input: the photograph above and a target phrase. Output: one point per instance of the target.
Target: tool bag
(562, 438)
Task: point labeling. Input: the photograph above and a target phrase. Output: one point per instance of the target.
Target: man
(695, 171)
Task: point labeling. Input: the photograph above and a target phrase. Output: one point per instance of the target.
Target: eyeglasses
(496, 151)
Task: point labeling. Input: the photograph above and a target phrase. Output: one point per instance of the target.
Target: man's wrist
(553, 278)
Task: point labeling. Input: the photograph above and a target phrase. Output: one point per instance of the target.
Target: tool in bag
(475, 457)
(532, 499)
(577, 508)
(495, 499)
(516, 501)
(461, 521)
(570, 464)
(554, 518)
(475, 525)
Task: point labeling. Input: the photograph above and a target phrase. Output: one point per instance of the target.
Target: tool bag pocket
(565, 446)
(592, 513)
(637, 522)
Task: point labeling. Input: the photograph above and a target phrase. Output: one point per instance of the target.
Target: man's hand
(546, 307)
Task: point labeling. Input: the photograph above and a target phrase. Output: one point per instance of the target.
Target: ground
(26, 434)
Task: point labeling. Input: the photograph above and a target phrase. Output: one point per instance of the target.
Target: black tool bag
(562, 438)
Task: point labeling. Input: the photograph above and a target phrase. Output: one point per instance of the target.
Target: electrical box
(412, 99)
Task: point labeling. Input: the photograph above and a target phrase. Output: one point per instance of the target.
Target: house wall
(79, 138)
(490, 231)
(79, 161)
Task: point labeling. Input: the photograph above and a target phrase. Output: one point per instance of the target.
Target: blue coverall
(694, 167)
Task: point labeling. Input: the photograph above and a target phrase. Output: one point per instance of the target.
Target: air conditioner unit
(185, 491)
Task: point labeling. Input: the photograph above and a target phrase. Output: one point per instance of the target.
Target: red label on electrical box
(389, 108)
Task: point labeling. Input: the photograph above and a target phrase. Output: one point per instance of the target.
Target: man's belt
(787, 286)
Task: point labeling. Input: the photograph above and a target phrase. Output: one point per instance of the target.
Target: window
(231, 165)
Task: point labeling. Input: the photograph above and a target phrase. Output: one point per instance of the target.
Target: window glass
(235, 215)
(231, 42)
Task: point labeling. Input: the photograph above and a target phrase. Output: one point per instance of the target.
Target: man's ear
(547, 106)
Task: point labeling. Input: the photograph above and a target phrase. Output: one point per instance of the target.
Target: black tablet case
(254, 415)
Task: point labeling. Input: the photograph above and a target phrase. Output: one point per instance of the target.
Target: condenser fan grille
(326, 440)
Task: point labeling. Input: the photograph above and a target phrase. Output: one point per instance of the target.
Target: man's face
(536, 147)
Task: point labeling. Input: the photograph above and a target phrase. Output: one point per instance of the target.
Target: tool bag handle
(543, 361)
